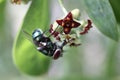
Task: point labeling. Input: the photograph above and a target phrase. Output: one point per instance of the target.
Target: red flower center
(68, 23)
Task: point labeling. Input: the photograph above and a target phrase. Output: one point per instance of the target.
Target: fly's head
(37, 36)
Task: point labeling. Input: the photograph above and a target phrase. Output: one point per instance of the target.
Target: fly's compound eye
(37, 34)
(57, 54)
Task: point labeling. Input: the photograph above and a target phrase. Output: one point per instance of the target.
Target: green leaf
(1, 1)
(111, 58)
(26, 57)
(2, 16)
(26, 1)
(103, 17)
(116, 8)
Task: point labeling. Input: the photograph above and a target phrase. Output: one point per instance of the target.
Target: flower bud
(75, 13)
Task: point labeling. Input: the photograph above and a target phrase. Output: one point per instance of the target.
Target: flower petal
(69, 16)
(75, 24)
(87, 28)
(51, 28)
(59, 22)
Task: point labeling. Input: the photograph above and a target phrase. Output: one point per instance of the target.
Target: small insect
(45, 45)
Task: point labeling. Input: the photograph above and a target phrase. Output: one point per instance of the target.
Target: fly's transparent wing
(27, 35)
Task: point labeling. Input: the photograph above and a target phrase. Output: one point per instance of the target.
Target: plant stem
(63, 8)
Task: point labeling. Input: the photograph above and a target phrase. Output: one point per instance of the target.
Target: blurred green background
(98, 58)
